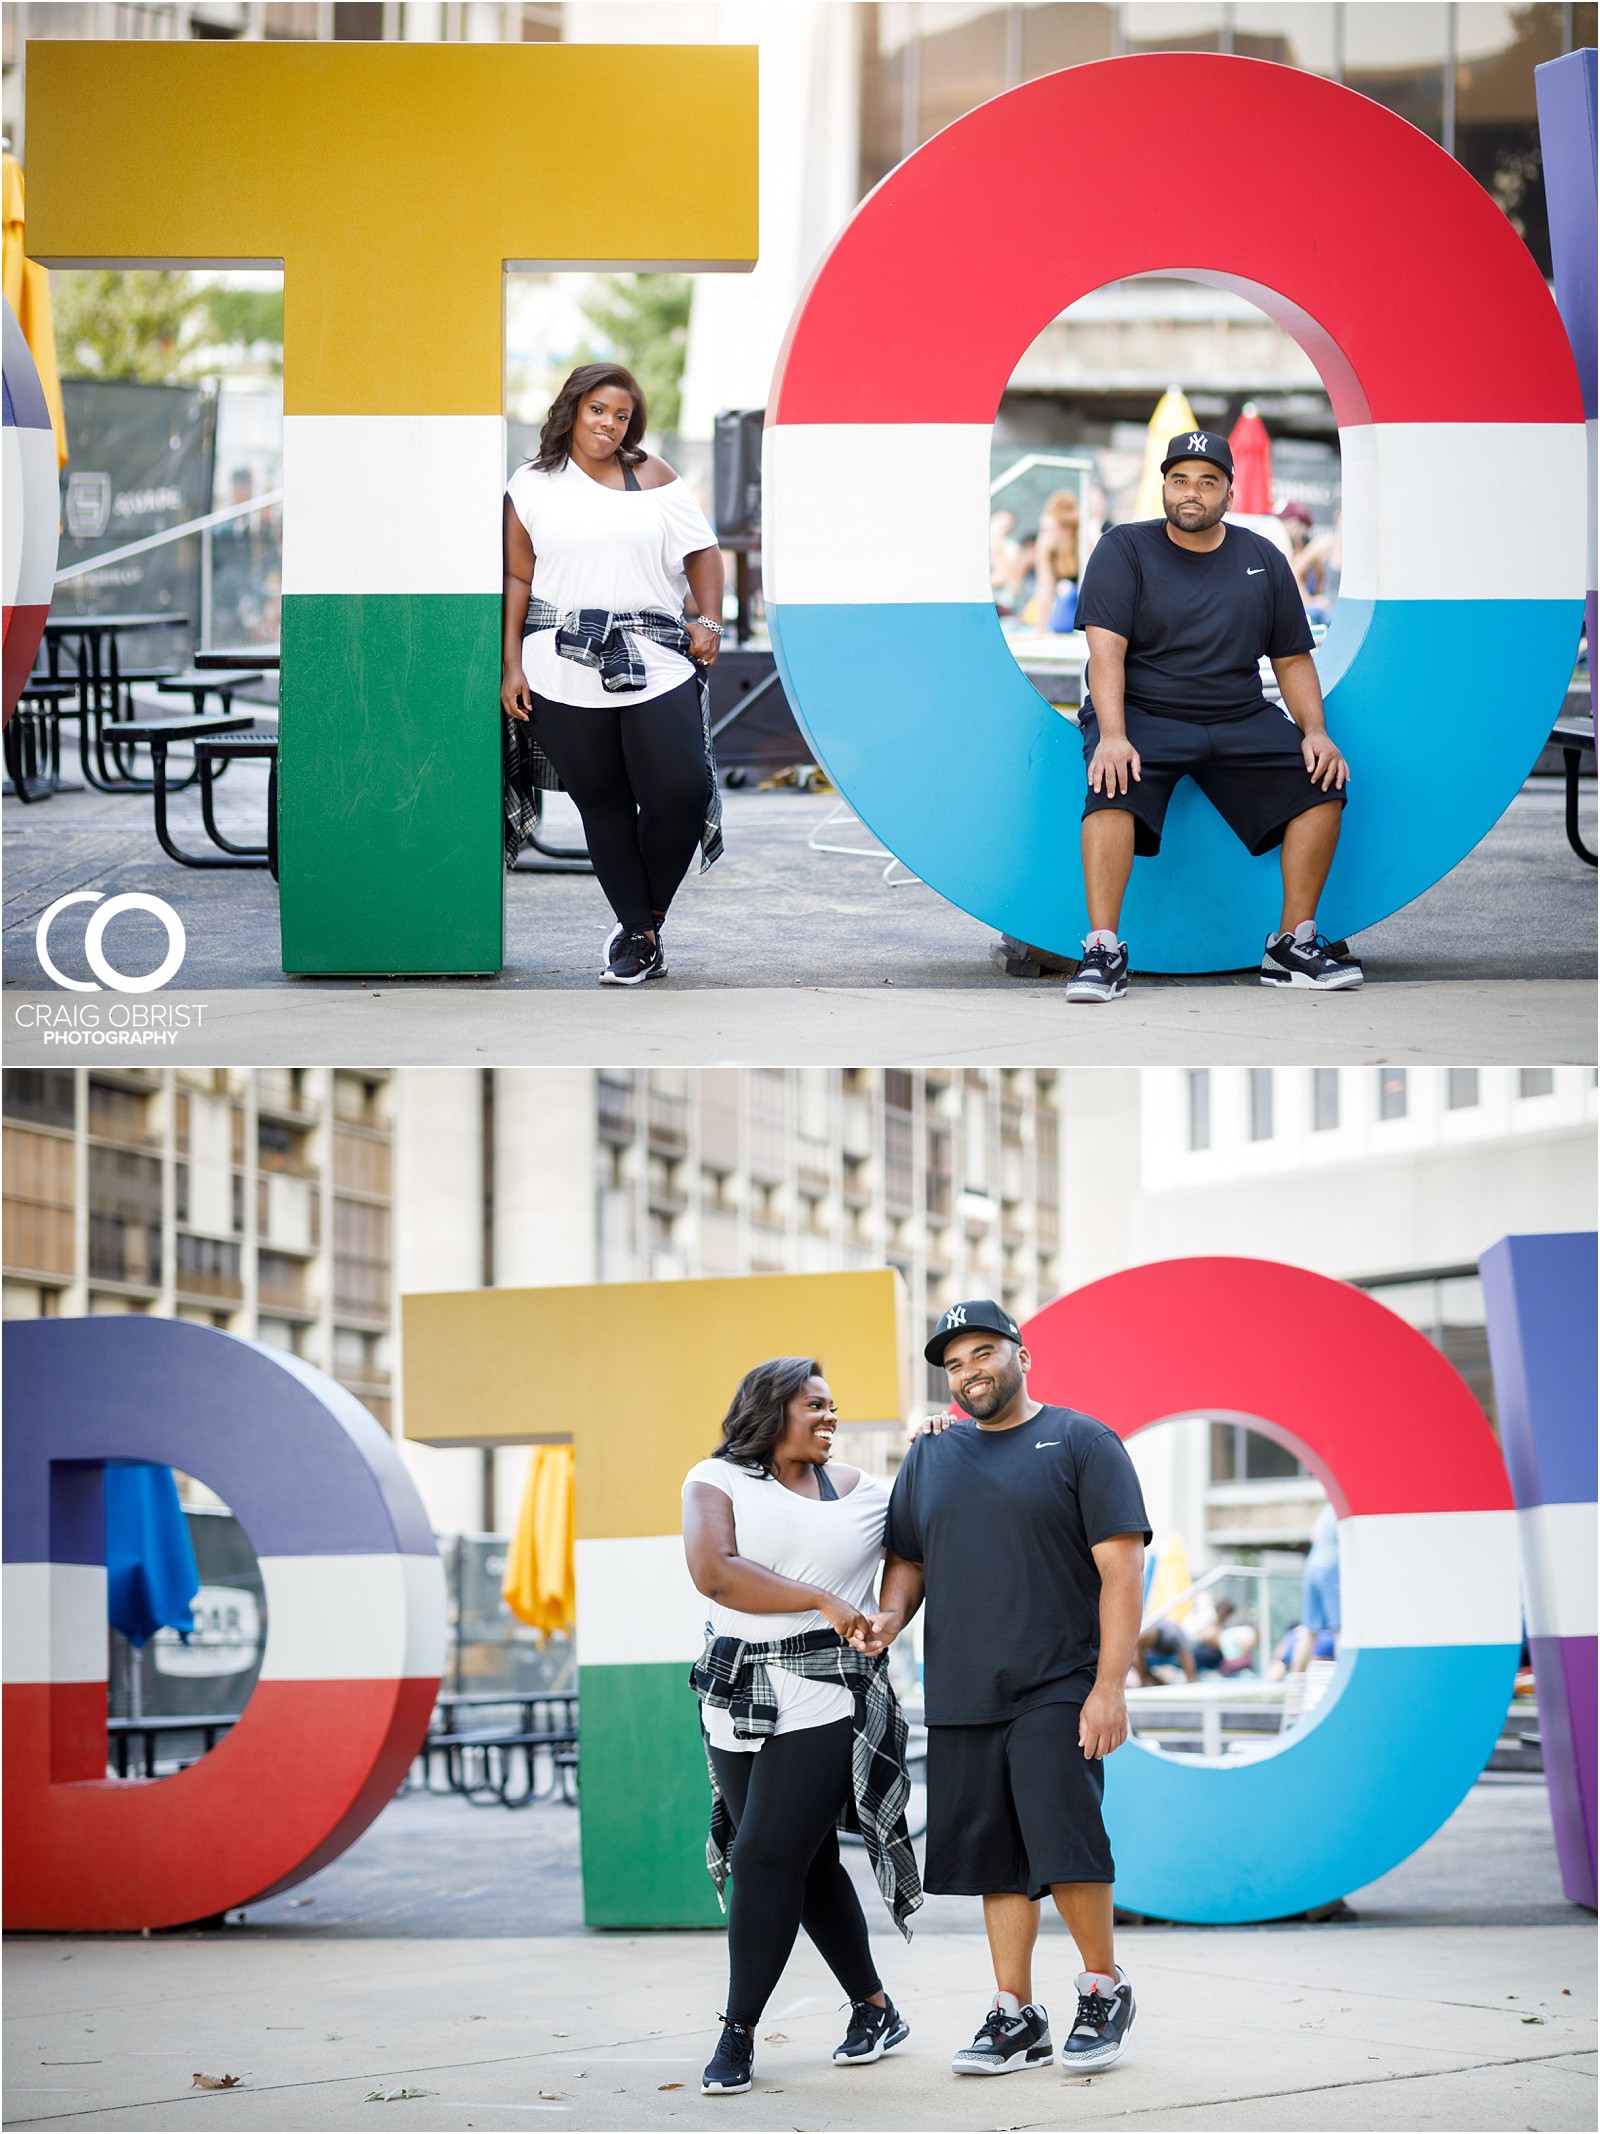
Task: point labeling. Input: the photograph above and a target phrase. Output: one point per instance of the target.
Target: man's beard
(1203, 524)
(1006, 1384)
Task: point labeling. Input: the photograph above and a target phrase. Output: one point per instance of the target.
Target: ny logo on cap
(1199, 441)
(955, 1316)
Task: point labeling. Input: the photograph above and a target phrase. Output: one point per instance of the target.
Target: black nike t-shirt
(1197, 623)
(1004, 1524)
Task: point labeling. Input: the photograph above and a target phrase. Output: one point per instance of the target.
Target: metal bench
(484, 1762)
(1575, 739)
(158, 735)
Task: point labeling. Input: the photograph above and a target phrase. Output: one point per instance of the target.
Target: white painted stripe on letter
(1560, 1564)
(55, 1622)
(636, 1603)
(1430, 1578)
(862, 513)
(859, 513)
(1464, 511)
(29, 549)
(353, 1618)
(392, 503)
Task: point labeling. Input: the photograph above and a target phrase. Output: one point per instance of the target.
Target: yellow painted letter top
(394, 182)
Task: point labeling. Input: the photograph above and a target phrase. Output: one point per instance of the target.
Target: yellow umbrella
(27, 289)
(1173, 413)
(1172, 1576)
(540, 1585)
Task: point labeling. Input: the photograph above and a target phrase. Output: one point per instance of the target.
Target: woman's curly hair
(754, 1421)
(555, 439)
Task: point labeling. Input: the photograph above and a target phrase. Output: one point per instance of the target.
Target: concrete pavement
(445, 1952)
(784, 952)
(1299, 2027)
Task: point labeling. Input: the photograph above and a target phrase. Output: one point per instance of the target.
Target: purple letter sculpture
(1565, 89)
(1540, 1298)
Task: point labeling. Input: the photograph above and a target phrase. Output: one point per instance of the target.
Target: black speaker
(736, 472)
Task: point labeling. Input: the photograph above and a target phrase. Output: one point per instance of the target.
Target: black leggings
(638, 776)
(787, 1872)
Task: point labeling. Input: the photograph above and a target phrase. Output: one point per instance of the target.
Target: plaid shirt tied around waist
(603, 638)
(731, 1675)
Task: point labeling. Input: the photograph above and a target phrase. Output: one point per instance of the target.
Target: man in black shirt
(1179, 612)
(1026, 1529)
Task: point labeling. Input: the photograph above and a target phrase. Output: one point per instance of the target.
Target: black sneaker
(1006, 2043)
(1102, 975)
(634, 959)
(733, 2064)
(873, 2032)
(1288, 960)
(1099, 2037)
(614, 942)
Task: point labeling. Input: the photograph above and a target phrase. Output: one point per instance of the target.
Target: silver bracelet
(704, 622)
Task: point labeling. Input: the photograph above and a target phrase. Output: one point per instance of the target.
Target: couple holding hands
(1021, 1527)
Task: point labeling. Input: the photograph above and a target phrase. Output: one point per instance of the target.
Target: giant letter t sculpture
(395, 183)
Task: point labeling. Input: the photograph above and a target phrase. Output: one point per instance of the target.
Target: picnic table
(268, 656)
(92, 645)
(482, 1762)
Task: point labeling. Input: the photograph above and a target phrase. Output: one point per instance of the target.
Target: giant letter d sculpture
(355, 1623)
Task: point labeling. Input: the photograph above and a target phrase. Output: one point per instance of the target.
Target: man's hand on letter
(1103, 1722)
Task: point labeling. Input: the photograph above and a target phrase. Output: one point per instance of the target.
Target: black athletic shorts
(1014, 1807)
(1249, 768)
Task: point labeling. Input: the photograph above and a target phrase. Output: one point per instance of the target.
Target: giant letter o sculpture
(1428, 1560)
(354, 1637)
(1461, 427)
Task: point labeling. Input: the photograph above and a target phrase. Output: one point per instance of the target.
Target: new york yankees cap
(1200, 444)
(967, 1319)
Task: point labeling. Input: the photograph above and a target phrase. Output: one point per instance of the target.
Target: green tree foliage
(642, 321)
(245, 318)
(158, 326)
(136, 324)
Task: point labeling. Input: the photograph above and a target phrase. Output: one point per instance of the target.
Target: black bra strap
(825, 1488)
(629, 479)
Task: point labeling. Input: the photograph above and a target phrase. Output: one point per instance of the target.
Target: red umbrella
(1252, 462)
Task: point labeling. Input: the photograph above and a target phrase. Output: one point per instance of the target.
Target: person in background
(1164, 1654)
(1003, 547)
(1056, 562)
(1297, 524)
(1321, 1604)
(1317, 568)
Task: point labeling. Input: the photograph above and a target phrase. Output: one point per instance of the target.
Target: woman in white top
(603, 545)
(780, 1544)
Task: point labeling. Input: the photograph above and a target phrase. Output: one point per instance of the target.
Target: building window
(1199, 1107)
(1240, 1454)
(43, 1096)
(1461, 1089)
(1536, 1081)
(1324, 1099)
(1391, 1092)
(1260, 1103)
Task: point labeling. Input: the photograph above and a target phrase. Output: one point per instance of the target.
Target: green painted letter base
(646, 1800)
(389, 783)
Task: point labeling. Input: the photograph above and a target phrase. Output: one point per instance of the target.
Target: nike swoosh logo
(1043, 1444)
(1256, 573)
